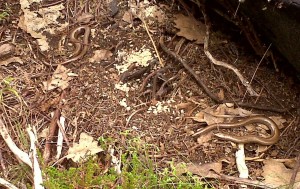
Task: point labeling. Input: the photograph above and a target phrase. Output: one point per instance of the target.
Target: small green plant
(6, 87)
(9, 95)
(20, 173)
(84, 176)
(138, 171)
(4, 15)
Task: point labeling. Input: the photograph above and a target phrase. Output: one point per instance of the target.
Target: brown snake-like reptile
(80, 47)
(272, 139)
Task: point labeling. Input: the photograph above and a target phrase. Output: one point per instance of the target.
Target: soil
(92, 103)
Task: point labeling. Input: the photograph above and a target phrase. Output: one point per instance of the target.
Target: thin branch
(246, 181)
(295, 172)
(52, 129)
(12, 146)
(37, 173)
(7, 184)
(153, 43)
(208, 91)
(224, 64)
(257, 68)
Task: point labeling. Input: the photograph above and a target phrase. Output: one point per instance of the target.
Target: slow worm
(272, 139)
(80, 48)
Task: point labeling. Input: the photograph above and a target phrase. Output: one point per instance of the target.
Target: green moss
(138, 171)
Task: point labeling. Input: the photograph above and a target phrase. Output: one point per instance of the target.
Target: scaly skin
(272, 139)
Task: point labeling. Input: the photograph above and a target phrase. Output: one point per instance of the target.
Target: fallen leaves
(190, 28)
(85, 18)
(212, 115)
(207, 170)
(279, 121)
(100, 55)
(38, 21)
(11, 60)
(60, 78)
(85, 148)
(205, 138)
(6, 49)
(277, 175)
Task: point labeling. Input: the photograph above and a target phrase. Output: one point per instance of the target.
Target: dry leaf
(238, 111)
(184, 105)
(6, 49)
(190, 28)
(39, 21)
(199, 117)
(100, 55)
(207, 170)
(188, 131)
(27, 24)
(127, 17)
(210, 115)
(44, 133)
(274, 153)
(204, 138)
(60, 78)
(213, 115)
(86, 147)
(46, 104)
(290, 163)
(85, 18)
(11, 60)
(229, 104)
(279, 121)
(276, 174)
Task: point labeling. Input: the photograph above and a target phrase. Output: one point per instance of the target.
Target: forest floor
(126, 83)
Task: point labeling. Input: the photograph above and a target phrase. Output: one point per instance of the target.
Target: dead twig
(7, 184)
(145, 81)
(52, 4)
(297, 167)
(62, 130)
(295, 171)
(153, 43)
(162, 88)
(131, 73)
(246, 181)
(52, 129)
(3, 167)
(37, 172)
(135, 112)
(257, 68)
(207, 90)
(224, 64)
(23, 156)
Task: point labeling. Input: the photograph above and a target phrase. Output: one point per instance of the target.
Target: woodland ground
(95, 102)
